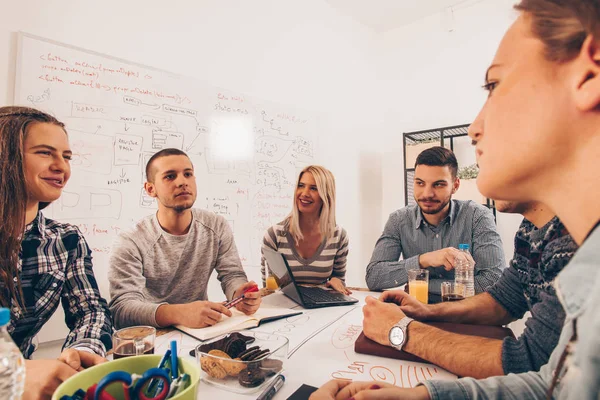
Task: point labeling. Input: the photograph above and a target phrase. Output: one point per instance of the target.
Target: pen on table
(237, 300)
(272, 388)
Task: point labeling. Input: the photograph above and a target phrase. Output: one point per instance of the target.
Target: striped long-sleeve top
(329, 261)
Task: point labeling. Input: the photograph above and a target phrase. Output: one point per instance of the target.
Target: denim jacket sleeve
(525, 386)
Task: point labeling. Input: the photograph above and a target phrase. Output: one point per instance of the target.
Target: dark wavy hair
(438, 157)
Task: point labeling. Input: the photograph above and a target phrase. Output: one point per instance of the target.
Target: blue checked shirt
(56, 266)
(408, 234)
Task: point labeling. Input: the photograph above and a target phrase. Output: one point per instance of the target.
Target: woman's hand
(337, 285)
(42, 377)
(80, 359)
(343, 390)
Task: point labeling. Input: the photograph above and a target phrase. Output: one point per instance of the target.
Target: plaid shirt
(56, 265)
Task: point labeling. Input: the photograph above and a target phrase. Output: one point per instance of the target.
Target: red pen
(237, 300)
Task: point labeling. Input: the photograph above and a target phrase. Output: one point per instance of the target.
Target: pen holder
(134, 364)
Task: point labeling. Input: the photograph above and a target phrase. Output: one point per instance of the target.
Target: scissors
(134, 384)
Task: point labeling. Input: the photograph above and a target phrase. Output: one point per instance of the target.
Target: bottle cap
(4, 316)
(463, 246)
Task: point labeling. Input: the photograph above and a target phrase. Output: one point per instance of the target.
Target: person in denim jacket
(537, 139)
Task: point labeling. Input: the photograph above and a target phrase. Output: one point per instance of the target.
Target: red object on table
(237, 300)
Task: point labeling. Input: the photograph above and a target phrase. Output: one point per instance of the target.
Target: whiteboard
(247, 152)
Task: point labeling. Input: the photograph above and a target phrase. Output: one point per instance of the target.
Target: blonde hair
(326, 188)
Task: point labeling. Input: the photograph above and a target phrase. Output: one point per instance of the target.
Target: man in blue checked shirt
(427, 234)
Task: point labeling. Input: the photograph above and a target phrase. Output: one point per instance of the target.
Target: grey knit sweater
(540, 254)
(150, 267)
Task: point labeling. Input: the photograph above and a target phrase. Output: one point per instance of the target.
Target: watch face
(396, 336)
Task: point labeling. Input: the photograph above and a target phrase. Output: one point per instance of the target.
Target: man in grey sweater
(543, 247)
(159, 270)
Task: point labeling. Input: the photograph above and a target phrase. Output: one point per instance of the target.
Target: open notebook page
(238, 321)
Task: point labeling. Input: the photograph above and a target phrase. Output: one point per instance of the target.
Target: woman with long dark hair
(44, 262)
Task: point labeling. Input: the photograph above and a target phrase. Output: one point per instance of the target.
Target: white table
(321, 348)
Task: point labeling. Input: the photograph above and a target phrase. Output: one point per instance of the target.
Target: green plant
(423, 141)
(468, 172)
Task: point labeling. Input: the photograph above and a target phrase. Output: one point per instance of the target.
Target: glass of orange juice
(271, 282)
(418, 284)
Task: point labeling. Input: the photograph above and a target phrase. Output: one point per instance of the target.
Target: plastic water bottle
(12, 363)
(463, 271)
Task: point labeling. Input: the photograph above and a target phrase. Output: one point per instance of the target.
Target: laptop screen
(277, 266)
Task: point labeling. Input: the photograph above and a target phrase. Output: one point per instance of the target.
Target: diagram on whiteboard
(246, 152)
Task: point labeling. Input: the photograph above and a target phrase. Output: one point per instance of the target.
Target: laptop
(308, 297)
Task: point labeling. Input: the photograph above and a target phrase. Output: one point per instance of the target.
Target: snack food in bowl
(242, 362)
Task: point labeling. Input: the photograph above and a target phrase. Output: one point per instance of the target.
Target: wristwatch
(399, 333)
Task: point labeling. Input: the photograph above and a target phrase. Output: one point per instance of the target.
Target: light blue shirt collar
(450, 217)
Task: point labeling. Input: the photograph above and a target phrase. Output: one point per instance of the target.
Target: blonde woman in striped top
(315, 247)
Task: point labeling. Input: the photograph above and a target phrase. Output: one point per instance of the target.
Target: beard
(440, 206)
(179, 206)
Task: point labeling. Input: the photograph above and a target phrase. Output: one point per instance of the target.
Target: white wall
(299, 53)
(432, 78)
(369, 88)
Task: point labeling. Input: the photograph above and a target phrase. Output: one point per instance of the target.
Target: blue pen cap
(463, 246)
(4, 316)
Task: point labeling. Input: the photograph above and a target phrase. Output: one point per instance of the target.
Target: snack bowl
(242, 362)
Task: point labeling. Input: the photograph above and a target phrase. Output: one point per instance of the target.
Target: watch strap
(402, 324)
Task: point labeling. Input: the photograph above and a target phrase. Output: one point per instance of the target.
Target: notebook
(239, 321)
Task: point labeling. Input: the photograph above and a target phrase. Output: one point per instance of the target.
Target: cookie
(213, 367)
(251, 377)
(261, 354)
(246, 354)
(219, 353)
(249, 356)
(216, 355)
(234, 347)
(234, 368)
